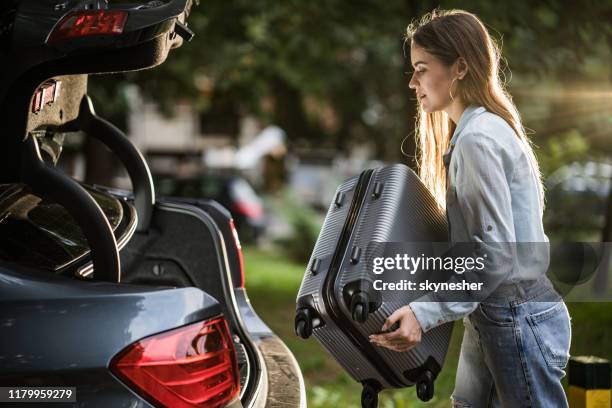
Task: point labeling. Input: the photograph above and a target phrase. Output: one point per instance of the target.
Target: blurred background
(274, 103)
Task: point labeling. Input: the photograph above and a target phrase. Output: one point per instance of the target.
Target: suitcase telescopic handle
(134, 162)
(49, 182)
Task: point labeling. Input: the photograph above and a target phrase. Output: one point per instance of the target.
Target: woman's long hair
(449, 35)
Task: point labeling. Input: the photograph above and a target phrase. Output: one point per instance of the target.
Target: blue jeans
(514, 351)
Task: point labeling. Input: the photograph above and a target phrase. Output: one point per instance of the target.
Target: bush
(305, 226)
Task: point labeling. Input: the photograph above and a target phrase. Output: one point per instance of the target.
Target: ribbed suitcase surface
(388, 204)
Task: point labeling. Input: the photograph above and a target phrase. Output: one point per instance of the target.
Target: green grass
(273, 281)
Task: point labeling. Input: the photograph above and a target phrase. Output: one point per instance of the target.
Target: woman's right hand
(406, 337)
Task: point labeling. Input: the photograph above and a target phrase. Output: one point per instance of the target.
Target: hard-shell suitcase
(337, 302)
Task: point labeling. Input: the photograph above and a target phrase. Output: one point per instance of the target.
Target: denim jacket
(492, 197)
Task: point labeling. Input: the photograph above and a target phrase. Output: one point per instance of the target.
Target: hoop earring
(450, 90)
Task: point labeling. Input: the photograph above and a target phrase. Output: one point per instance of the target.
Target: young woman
(516, 339)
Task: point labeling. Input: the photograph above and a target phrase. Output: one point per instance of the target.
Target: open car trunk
(106, 275)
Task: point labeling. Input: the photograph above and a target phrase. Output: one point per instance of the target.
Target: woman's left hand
(405, 337)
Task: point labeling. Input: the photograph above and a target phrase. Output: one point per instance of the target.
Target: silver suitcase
(337, 303)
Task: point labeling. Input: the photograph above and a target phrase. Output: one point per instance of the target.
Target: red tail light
(89, 22)
(193, 366)
(46, 94)
(253, 210)
(239, 249)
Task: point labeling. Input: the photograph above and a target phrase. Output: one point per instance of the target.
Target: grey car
(179, 322)
(125, 298)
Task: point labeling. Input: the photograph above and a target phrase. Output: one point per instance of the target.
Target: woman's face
(431, 80)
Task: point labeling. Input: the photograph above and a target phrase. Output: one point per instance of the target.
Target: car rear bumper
(285, 382)
(280, 382)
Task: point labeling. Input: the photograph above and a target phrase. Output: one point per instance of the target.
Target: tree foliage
(333, 73)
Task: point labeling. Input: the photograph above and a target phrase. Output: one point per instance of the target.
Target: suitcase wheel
(304, 322)
(425, 386)
(369, 395)
(360, 307)
(303, 329)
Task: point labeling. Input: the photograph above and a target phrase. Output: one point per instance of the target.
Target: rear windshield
(242, 191)
(39, 233)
